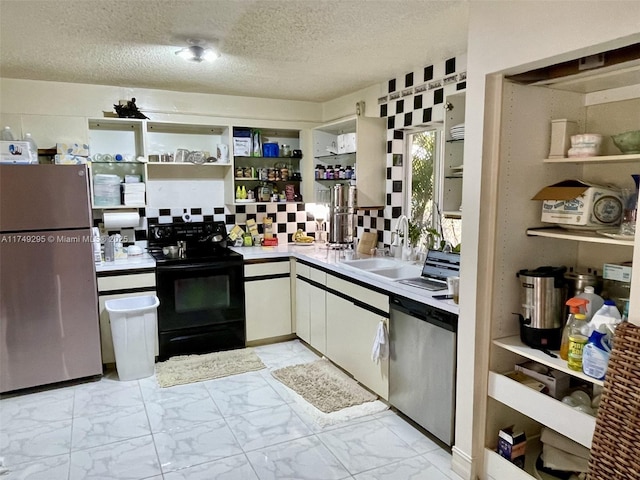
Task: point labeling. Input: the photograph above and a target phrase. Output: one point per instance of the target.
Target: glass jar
(239, 172)
(320, 172)
(285, 150)
(348, 173)
(328, 174)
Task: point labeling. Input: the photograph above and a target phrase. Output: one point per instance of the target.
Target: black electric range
(201, 291)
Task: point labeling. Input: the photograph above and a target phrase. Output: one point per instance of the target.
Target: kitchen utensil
(181, 155)
(222, 153)
(542, 297)
(368, 242)
(342, 214)
(576, 281)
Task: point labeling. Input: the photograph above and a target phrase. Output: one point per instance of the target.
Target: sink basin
(371, 263)
(386, 268)
(398, 273)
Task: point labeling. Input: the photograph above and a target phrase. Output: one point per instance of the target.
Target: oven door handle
(197, 267)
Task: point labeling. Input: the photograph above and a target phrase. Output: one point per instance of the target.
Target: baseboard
(462, 464)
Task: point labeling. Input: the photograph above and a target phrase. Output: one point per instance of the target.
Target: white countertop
(132, 262)
(319, 255)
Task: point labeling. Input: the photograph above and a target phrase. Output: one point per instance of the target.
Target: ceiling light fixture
(197, 53)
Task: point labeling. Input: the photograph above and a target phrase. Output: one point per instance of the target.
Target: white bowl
(583, 151)
(586, 140)
(134, 250)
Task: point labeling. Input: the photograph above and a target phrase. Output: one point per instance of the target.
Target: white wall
(508, 37)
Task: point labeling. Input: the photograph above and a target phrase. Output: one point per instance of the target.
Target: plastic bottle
(33, 148)
(576, 305)
(608, 315)
(595, 356)
(238, 193)
(7, 134)
(578, 337)
(595, 301)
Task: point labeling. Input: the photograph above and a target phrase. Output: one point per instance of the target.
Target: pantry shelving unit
(522, 241)
(453, 156)
(367, 161)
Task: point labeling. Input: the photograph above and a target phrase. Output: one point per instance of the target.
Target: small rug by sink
(324, 386)
(198, 368)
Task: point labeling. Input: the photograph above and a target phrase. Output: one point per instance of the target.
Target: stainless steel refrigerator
(49, 324)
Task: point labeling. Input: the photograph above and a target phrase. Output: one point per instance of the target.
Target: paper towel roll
(121, 219)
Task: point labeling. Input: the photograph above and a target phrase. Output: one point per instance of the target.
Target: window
(424, 172)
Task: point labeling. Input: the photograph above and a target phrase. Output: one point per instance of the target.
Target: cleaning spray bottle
(595, 356)
(576, 305)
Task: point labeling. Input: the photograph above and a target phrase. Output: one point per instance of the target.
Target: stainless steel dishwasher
(422, 365)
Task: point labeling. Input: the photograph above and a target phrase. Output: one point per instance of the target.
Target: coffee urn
(543, 294)
(342, 214)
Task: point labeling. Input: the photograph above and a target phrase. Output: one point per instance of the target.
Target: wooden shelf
(542, 408)
(515, 345)
(577, 235)
(598, 159)
(325, 158)
(502, 468)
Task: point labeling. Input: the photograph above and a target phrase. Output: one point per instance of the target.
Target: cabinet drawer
(303, 270)
(364, 295)
(125, 282)
(264, 269)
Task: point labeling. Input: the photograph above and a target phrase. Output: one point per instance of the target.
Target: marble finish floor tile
(303, 459)
(244, 427)
(366, 445)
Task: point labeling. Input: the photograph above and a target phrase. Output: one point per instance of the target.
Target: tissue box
(556, 383)
(512, 446)
(81, 149)
(574, 202)
(617, 272)
(69, 160)
(16, 152)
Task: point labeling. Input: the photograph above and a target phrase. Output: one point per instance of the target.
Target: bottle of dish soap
(576, 305)
(595, 356)
(578, 337)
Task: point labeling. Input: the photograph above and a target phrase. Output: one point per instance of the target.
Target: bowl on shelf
(627, 142)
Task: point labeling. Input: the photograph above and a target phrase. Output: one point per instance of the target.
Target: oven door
(201, 307)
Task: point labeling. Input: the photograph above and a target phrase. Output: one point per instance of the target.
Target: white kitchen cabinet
(453, 158)
(368, 161)
(522, 241)
(267, 292)
(120, 285)
(353, 318)
(311, 306)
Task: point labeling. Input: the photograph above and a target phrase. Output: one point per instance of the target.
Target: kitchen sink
(387, 268)
(371, 263)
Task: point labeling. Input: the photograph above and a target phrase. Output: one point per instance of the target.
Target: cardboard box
(17, 152)
(134, 199)
(527, 381)
(252, 227)
(81, 149)
(133, 188)
(236, 232)
(578, 203)
(618, 272)
(512, 446)
(556, 383)
(346, 143)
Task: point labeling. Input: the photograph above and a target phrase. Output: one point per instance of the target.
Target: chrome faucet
(400, 244)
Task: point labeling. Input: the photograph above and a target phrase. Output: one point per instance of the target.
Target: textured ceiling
(314, 50)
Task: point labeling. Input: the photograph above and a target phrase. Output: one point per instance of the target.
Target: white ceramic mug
(222, 153)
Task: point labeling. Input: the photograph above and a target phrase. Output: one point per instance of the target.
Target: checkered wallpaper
(412, 99)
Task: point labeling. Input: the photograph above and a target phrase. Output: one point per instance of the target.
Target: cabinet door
(303, 310)
(371, 161)
(351, 331)
(268, 308)
(106, 340)
(318, 319)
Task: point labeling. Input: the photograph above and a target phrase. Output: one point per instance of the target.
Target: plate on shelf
(613, 233)
(245, 200)
(458, 167)
(303, 244)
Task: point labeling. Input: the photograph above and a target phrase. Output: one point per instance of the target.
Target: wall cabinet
(274, 172)
(267, 300)
(519, 243)
(367, 162)
(453, 156)
(120, 285)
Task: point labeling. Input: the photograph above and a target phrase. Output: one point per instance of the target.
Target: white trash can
(134, 327)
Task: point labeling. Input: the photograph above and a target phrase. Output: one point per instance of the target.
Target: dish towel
(380, 348)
